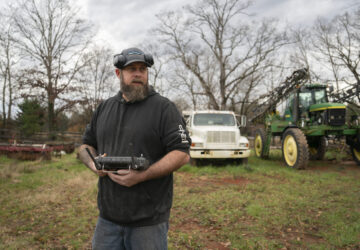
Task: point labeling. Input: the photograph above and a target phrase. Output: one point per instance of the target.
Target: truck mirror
(242, 121)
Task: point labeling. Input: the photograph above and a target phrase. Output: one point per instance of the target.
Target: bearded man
(135, 205)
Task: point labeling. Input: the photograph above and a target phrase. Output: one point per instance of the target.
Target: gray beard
(134, 92)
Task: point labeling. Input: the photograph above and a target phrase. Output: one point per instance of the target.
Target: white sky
(125, 23)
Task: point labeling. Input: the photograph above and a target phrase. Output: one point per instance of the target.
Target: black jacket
(154, 127)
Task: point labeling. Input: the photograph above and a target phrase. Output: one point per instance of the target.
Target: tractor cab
(309, 95)
(303, 100)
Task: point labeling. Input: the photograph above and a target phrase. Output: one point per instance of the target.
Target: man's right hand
(86, 159)
(100, 173)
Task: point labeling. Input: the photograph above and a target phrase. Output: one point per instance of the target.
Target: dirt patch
(290, 235)
(208, 234)
(235, 180)
(191, 225)
(344, 166)
(191, 181)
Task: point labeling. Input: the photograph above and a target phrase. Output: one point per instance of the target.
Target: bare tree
(338, 41)
(224, 53)
(156, 72)
(97, 78)
(8, 61)
(323, 49)
(303, 56)
(52, 39)
(184, 84)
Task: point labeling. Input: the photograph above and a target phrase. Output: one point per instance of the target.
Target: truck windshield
(214, 119)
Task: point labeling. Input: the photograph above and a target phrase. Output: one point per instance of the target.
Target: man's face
(134, 81)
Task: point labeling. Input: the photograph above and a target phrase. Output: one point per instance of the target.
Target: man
(135, 206)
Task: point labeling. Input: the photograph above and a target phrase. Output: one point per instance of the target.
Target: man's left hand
(127, 178)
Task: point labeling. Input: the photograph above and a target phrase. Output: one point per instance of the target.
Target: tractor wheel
(295, 148)
(259, 142)
(317, 149)
(356, 155)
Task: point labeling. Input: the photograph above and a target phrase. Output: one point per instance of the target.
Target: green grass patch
(263, 205)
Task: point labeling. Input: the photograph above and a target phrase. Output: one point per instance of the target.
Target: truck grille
(220, 137)
(336, 117)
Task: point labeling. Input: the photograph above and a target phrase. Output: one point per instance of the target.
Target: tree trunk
(51, 118)
(4, 102)
(10, 95)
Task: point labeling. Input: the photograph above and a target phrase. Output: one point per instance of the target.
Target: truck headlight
(244, 145)
(197, 144)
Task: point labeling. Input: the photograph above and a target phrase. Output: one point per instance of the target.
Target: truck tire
(317, 148)
(259, 142)
(356, 155)
(295, 149)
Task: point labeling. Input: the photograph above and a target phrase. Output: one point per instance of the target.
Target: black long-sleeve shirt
(153, 127)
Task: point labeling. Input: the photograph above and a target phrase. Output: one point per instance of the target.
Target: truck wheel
(317, 149)
(259, 142)
(295, 149)
(356, 155)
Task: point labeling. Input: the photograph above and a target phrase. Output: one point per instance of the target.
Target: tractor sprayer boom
(267, 102)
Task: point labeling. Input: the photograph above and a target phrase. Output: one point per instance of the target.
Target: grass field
(262, 206)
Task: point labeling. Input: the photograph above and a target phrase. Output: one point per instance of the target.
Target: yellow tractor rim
(357, 154)
(258, 145)
(290, 150)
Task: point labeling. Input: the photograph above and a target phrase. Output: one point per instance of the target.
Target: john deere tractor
(309, 118)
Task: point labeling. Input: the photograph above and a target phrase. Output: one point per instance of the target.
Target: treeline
(52, 74)
(211, 54)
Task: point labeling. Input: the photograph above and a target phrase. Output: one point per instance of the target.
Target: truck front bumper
(219, 154)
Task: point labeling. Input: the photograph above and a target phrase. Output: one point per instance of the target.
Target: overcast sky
(124, 23)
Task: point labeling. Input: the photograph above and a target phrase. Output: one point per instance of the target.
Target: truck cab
(216, 135)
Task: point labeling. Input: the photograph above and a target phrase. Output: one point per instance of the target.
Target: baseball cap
(135, 55)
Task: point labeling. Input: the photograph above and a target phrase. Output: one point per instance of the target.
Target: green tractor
(308, 119)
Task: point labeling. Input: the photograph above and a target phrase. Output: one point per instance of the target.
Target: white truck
(216, 135)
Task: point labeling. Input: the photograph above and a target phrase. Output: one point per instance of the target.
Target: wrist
(146, 175)
(92, 167)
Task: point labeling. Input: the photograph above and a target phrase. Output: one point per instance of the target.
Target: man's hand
(127, 178)
(165, 166)
(85, 158)
(100, 173)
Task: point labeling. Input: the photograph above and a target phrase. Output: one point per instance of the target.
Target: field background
(264, 205)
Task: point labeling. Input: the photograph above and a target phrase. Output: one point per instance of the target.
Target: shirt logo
(182, 135)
